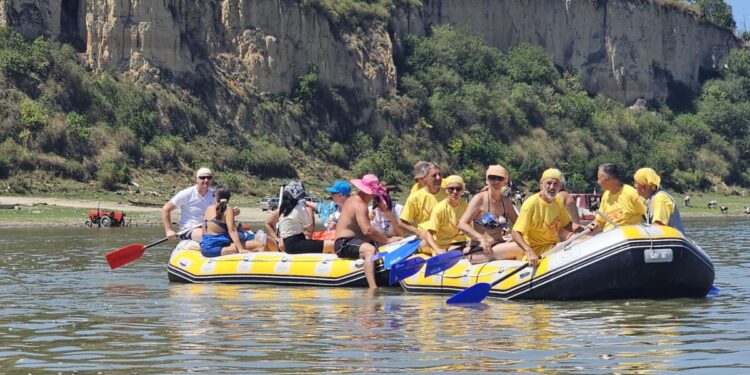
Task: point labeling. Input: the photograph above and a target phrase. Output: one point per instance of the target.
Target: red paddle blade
(125, 255)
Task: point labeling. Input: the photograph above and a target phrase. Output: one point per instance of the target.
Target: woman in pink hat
(488, 217)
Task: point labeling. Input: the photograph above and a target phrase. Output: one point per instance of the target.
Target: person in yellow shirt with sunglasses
(443, 222)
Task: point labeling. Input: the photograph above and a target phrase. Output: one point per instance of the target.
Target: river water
(63, 310)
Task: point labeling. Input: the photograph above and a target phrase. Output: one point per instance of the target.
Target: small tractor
(105, 219)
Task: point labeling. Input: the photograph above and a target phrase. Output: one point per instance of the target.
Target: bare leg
(196, 234)
(328, 247)
(254, 245)
(229, 250)
(366, 252)
(501, 251)
(272, 246)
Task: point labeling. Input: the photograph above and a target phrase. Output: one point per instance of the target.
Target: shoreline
(146, 215)
(151, 216)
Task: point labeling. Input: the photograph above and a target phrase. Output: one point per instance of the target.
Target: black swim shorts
(348, 247)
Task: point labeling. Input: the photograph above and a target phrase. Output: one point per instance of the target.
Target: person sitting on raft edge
(661, 207)
(221, 235)
(543, 221)
(355, 237)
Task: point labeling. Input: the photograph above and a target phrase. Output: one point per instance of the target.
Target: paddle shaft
(127, 254)
(605, 217)
(477, 292)
(178, 234)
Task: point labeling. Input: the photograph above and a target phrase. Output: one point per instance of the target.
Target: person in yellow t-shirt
(543, 220)
(418, 206)
(419, 177)
(661, 207)
(443, 222)
(620, 202)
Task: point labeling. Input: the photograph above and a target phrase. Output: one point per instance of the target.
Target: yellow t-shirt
(663, 208)
(625, 207)
(443, 223)
(415, 188)
(419, 205)
(540, 222)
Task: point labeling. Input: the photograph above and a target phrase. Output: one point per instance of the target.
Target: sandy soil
(251, 214)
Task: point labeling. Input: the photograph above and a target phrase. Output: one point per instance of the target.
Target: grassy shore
(72, 212)
(52, 215)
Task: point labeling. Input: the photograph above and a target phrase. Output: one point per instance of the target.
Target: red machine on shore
(105, 219)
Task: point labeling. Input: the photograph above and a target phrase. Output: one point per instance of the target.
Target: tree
(717, 12)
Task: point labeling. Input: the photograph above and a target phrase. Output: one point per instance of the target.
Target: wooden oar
(477, 292)
(127, 254)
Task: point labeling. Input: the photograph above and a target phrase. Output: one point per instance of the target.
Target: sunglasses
(205, 177)
(454, 189)
(495, 178)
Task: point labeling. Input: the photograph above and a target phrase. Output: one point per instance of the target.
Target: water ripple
(64, 310)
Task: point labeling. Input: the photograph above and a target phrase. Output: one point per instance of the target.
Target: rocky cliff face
(624, 49)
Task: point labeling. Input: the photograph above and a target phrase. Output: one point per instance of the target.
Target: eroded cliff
(624, 49)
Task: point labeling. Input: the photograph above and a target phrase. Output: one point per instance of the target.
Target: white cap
(203, 172)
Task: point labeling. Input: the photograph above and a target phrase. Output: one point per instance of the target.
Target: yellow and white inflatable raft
(627, 262)
(186, 264)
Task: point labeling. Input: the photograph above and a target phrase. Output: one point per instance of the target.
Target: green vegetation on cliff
(459, 102)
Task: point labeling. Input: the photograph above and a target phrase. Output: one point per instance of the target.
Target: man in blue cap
(329, 211)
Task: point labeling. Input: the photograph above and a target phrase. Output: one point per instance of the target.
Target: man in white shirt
(192, 203)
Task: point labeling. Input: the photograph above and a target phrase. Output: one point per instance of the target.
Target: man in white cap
(354, 234)
(192, 203)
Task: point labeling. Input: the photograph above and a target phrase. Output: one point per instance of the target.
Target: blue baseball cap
(340, 187)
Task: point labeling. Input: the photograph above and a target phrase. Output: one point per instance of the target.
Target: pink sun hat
(368, 184)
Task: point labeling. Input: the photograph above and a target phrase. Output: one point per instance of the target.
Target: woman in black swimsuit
(220, 233)
(488, 217)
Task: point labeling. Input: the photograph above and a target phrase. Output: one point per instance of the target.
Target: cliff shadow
(71, 24)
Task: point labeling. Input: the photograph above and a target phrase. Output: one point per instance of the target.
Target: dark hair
(611, 170)
(287, 203)
(221, 193)
(376, 199)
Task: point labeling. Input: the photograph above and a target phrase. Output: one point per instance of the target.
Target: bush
(125, 106)
(267, 160)
(31, 115)
(111, 174)
(16, 156)
(74, 170)
(51, 163)
(233, 181)
(530, 64)
(388, 161)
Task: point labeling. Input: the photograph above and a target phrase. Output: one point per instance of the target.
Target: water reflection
(64, 310)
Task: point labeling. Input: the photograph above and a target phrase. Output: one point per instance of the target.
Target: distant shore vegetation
(459, 102)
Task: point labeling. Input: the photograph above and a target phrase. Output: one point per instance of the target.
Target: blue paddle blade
(442, 262)
(405, 269)
(400, 254)
(713, 292)
(473, 294)
(377, 256)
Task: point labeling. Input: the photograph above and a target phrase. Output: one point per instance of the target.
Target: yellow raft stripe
(264, 264)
